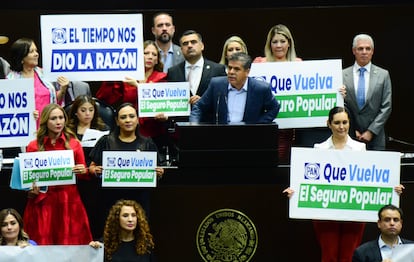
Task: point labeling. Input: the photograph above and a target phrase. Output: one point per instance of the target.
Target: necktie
(361, 88)
(190, 79)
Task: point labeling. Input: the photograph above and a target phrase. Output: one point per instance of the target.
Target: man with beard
(163, 30)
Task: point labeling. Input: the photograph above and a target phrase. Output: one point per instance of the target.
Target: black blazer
(210, 69)
(370, 251)
(177, 74)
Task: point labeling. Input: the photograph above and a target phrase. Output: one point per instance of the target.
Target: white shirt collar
(243, 88)
(198, 64)
(381, 242)
(367, 67)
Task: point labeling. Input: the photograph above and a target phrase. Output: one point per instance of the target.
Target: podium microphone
(218, 106)
(391, 139)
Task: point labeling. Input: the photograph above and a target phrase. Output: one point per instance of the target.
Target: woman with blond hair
(57, 216)
(280, 47)
(232, 45)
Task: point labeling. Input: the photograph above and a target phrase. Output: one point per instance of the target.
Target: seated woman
(84, 114)
(12, 233)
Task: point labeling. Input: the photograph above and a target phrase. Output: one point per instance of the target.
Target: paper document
(92, 136)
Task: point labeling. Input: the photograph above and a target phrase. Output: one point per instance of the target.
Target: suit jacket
(80, 88)
(177, 74)
(370, 251)
(261, 104)
(377, 109)
(178, 55)
(4, 68)
(210, 69)
(75, 89)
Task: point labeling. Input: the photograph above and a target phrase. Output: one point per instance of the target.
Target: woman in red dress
(57, 216)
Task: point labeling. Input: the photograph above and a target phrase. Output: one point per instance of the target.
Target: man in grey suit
(390, 220)
(4, 65)
(237, 97)
(73, 90)
(163, 30)
(367, 121)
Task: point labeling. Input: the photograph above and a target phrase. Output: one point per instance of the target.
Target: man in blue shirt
(163, 30)
(236, 97)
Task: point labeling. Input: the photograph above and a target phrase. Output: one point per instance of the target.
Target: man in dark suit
(237, 97)
(195, 69)
(368, 121)
(390, 220)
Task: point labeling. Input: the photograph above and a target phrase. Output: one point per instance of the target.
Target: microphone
(218, 107)
(391, 139)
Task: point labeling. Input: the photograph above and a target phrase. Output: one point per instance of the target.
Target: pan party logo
(226, 235)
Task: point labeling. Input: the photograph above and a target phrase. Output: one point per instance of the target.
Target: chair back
(105, 111)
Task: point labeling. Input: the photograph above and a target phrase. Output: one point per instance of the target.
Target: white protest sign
(47, 168)
(17, 103)
(403, 253)
(51, 253)
(129, 169)
(172, 99)
(91, 136)
(92, 47)
(342, 185)
(306, 90)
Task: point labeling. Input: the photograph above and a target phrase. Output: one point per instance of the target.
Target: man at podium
(236, 97)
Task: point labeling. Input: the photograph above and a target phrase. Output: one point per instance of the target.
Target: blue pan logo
(312, 171)
(111, 161)
(146, 93)
(28, 163)
(260, 78)
(58, 35)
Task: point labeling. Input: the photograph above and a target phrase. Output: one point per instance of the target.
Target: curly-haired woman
(127, 235)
